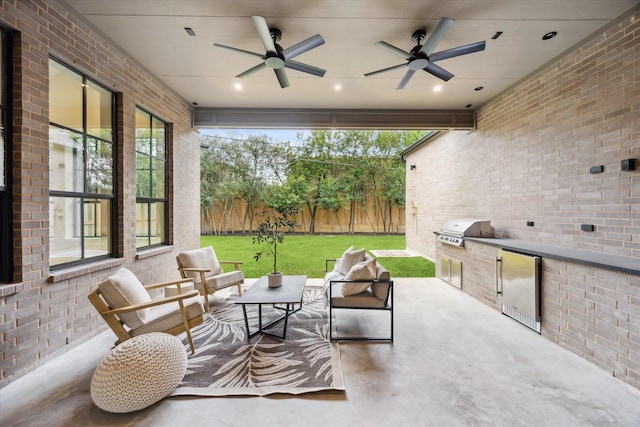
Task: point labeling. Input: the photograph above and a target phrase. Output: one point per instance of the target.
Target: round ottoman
(139, 372)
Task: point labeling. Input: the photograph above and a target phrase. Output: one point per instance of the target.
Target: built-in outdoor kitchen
(517, 275)
(582, 300)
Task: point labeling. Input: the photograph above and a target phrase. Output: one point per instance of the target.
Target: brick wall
(44, 313)
(530, 156)
(529, 160)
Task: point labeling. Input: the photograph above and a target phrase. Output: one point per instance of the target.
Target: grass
(306, 254)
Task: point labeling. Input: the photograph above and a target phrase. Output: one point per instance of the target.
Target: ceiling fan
(276, 57)
(421, 56)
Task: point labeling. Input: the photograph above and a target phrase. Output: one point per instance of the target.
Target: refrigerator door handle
(498, 276)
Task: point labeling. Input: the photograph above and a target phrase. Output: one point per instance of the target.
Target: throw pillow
(365, 270)
(349, 258)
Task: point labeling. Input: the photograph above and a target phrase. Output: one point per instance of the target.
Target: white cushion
(124, 289)
(365, 270)
(165, 316)
(364, 299)
(203, 258)
(224, 280)
(349, 258)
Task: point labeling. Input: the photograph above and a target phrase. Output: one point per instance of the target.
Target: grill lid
(468, 228)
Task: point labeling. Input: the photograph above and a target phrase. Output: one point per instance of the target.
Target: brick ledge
(147, 253)
(81, 270)
(7, 289)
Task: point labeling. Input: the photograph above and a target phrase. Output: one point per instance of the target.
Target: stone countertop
(623, 264)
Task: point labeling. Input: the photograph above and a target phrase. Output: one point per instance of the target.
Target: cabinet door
(519, 283)
(456, 273)
(445, 269)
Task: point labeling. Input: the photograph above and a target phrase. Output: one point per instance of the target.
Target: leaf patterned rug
(226, 364)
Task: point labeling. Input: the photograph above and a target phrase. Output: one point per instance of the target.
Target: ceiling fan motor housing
(418, 60)
(274, 60)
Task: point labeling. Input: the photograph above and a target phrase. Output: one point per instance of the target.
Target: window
(81, 160)
(6, 213)
(152, 204)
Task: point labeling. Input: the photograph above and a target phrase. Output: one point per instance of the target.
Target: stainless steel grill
(454, 231)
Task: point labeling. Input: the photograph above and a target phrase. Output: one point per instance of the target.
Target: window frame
(150, 200)
(6, 134)
(85, 196)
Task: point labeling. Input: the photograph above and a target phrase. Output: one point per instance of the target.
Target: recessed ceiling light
(550, 35)
(479, 88)
(194, 103)
(237, 86)
(468, 106)
(190, 31)
(437, 88)
(337, 88)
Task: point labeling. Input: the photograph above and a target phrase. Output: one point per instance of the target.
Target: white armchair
(127, 307)
(204, 268)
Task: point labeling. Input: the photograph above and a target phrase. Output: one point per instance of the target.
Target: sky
(279, 135)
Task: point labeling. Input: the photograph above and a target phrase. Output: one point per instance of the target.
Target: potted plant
(270, 231)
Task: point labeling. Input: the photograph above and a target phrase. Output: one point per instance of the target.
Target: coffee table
(282, 298)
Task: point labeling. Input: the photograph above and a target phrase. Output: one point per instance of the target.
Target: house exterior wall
(44, 312)
(530, 160)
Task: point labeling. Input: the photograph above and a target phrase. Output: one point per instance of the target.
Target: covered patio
(548, 155)
(455, 361)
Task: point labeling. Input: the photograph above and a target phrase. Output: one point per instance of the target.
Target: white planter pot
(275, 279)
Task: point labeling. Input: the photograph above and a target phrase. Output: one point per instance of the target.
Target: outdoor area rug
(226, 364)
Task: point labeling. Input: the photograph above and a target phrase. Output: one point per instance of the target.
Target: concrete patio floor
(454, 362)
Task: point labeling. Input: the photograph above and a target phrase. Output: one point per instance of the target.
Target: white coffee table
(282, 298)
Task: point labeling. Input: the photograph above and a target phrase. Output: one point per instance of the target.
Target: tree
(313, 166)
(330, 170)
(234, 170)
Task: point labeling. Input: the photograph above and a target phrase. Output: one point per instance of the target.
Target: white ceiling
(152, 31)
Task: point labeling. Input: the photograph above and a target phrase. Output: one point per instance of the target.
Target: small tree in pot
(273, 226)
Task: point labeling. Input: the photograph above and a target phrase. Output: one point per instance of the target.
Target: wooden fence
(371, 218)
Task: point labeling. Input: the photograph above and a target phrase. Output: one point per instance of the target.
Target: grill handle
(498, 276)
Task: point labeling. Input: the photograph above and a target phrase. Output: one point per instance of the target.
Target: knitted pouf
(139, 372)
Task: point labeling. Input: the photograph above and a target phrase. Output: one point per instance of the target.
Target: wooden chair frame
(110, 315)
(203, 278)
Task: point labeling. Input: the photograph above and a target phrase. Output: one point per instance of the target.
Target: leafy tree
(234, 170)
(314, 166)
(330, 170)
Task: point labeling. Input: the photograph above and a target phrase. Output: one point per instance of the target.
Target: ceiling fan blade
(282, 77)
(303, 46)
(405, 79)
(305, 68)
(438, 34)
(263, 31)
(438, 71)
(235, 49)
(384, 70)
(252, 70)
(390, 48)
(457, 51)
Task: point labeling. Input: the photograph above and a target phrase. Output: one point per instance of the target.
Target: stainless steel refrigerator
(518, 287)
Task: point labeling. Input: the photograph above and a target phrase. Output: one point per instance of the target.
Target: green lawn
(305, 254)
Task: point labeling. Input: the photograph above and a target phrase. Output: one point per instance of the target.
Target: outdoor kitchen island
(589, 301)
